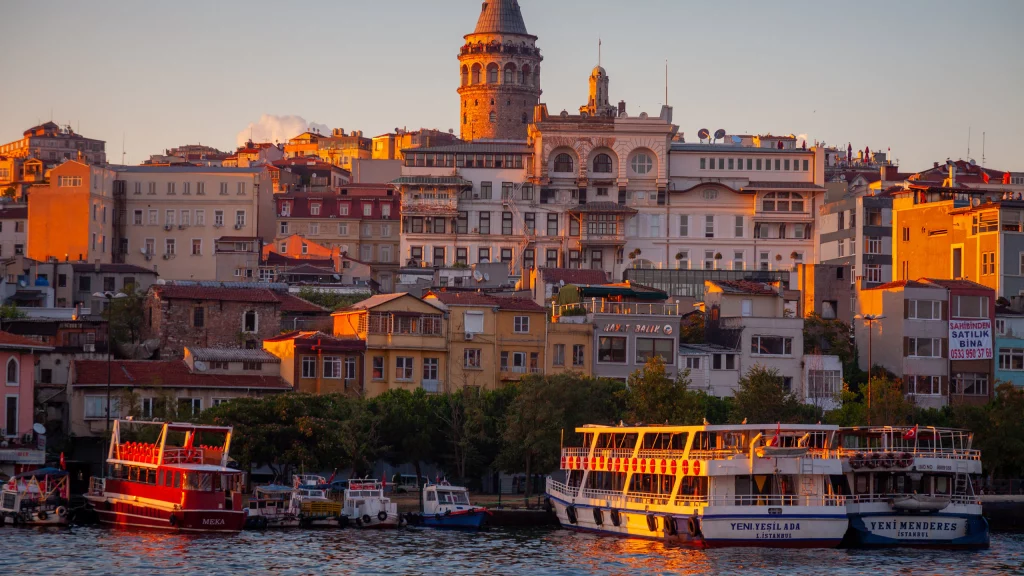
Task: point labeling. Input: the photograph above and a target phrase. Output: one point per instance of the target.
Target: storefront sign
(970, 339)
(640, 328)
(22, 456)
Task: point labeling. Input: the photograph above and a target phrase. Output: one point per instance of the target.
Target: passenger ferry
(172, 483)
(913, 486)
(36, 498)
(706, 486)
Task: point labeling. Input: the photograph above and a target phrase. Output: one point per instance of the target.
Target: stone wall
(171, 321)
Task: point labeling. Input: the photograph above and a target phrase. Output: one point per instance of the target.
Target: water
(95, 550)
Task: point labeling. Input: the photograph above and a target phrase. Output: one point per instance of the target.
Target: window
(185, 217)
(430, 369)
(971, 384)
(147, 407)
(611, 349)
(530, 225)
(970, 306)
(873, 273)
(771, 345)
(471, 358)
(988, 263)
(200, 217)
(739, 227)
(1011, 359)
(924, 347)
(403, 368)
(169, 217)
(309, 366)
(521, 324)
(96, 407)
(906, 234)
(563, 163)
(240, 189)
(240, 218)
(578, 351)
(925, 385)
(924, 309)
(558, 355)
(551, 258)
(873, 245)
(169, 248)
(198, 317)
(552, 224)
(683, 260)
(250, 321)
(747, 307)
(684, 225)
(69, 181)
(738, 260)
(350, 368)
(253, 366)
(218, 218)
(485, 190)
(332, 367)
(190, 407)
(12, 372)
(150, 246)
(709, 259)
(506, 223)
(485, 223)
(709, 226)
(483, 255)
(641, 163)
(647, 348)
(137, 217)
(377, 368)
(693, 362)
(197, 247)
(439, 256)
(823, 383)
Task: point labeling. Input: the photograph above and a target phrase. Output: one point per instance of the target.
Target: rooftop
(10, 341)
(573, 275)
(111, 269)
(478, 299)
(746, 287)
(171, 291)
(323, 341)
(433, 180)
(294, 304)
(692, 349)
(232, 355)
(902, 284)
(374, 301)
(956, 284)
(478, 147)
(500, 16)
(18, 212)
(166, 374)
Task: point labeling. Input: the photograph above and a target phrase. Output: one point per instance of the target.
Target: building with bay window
(318, 363)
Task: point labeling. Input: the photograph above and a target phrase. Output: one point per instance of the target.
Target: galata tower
(500, 73)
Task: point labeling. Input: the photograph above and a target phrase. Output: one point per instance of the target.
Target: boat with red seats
(169, 476)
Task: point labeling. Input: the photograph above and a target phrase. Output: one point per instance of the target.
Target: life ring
(172, 520)
(62, 511)
(670, 525)
(615, 517)
(598, 517)
(693, 526)
(366, 518)
(382, 515)
(890, 460)
(41, 514)
(857, 462)
(652, 523)
(570, 513)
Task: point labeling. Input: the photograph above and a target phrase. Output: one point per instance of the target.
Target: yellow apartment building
(493, 340)
(406, 342)
(569, 346)
(318, 363)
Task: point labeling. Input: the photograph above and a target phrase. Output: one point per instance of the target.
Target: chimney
(622, 107)
(952, 175)
(889, 172)
(935, 164)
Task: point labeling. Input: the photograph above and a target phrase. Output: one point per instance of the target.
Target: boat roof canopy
(669, 429)
(42, 472)
(202, 468)
(179, 426)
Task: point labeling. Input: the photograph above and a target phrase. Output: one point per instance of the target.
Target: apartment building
(713, 369)
(19, 449)
(1009, 343)
(54, 143)
(175, 215)
(338, 149)
(856, 231)
(492, 340)
(72, 217)
(359, 220)
(13, 229)
(406, 342)
(318, 363)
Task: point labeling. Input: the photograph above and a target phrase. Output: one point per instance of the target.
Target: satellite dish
(487, 277)
(737, 139)
(703, 134)
(201, 366)
(161, 281)
(336, 277)
(477, 276)
(39, 428)
(719, 134)
(143, 250)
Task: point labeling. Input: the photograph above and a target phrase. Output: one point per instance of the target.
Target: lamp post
(109, 297)
(870, 319)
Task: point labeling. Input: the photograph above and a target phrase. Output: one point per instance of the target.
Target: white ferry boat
(913, 486)
(706, 486)
(366, 506)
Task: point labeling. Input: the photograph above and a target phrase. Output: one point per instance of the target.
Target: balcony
(438, 206)
(604, 236)
(601, 306)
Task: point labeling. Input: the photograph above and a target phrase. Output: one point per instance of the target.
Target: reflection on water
(102, 551)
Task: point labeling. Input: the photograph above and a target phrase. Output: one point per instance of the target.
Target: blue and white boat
(765, 485)
(913, 486)
(447, 506)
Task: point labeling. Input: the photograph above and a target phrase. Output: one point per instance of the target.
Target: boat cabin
(441, 498)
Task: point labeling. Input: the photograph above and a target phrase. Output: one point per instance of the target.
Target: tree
(889, 406)
(654, 398)
(125, 316)
(11, 312)
(762, 398)
(406, 424)
(331, 300)
(692, 330)
(10, 193)
(533, 427)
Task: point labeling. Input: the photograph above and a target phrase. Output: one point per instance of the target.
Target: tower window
(465, 119)
(524, 118)
(493, 117)
(476, 73)
(492, 73)
(492, 101)
(508, 102)
(563, 163)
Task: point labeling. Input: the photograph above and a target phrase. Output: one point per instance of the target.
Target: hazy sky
(912, 75)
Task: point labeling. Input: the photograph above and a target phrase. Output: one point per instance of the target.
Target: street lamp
(870, 319)
(109, 297)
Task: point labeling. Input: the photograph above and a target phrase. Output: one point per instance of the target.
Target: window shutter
(945, 310)
(906, 348)
(906, 309)
(945, 347)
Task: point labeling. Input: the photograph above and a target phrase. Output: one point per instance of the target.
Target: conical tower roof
(501, 17)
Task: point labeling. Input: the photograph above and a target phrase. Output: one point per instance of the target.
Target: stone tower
(597, 104)
(499, 68)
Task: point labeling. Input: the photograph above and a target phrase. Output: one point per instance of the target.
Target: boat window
(900, 484)
(160, 478)
(254, 504)
(860, 483)
(151, 476)
(838, 485)
(941, 485)
(431, 497)
(177, 479)
(133, 474)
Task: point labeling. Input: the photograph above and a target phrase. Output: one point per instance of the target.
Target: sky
(913, 76)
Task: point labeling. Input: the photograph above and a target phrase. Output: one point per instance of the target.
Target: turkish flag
(62, 461)
(985, 177)
(1006, 178)
(778, 431)
(911, 434)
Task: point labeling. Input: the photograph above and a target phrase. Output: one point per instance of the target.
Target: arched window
(12, 371)
(465, 119)
(602, 164)
(476, 73)
(492, 73)
(522, 77)
(510, 74)
(641, 163)
(465, 75)
(492, 117)
(527, 78)
(563, 163)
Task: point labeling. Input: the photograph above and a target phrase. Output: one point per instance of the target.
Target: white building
(714, 369)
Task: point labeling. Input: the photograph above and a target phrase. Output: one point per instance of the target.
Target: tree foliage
(762, 398)
(125, 316)
(331, 300)
(654, 398)
(692, 330)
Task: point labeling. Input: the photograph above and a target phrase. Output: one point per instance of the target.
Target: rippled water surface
(102, 551)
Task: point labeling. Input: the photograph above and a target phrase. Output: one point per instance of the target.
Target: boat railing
(779, 500)
(614, 498)
(715, 454)
(954, 499)
(942, 453)
(97, 485)
(183, 456)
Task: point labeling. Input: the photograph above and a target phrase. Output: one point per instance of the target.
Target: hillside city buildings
(537, 241)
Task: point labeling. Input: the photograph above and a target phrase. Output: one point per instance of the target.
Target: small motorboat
(366, 507)
(921, 502)
(312, 504)
(447, 506)
(36, 498)
(272, 506)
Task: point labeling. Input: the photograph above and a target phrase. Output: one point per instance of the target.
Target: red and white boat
(179, 482)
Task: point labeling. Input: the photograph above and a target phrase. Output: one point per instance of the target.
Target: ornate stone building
(500, 72)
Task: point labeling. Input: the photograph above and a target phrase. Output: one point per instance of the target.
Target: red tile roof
(11, 341)
(326, 342)
(170, 291)
(901, 284)
(14, 213)
(292, 303)
(957, 284)
(478, 299)
(165, 373)
(573, 276)
(747, 287)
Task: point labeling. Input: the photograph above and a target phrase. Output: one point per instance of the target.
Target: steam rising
(274, 128)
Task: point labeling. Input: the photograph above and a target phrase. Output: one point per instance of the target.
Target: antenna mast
(666, 81)
(982, 149)
(598, 51)
(968, 143)
(122, 148)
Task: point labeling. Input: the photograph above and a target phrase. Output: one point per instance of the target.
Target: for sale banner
(970, 339)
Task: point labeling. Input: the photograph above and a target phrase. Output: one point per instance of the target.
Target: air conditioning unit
(181, 226)
(238, 226)
(148, 257)
(469, 335)
(218, 225)
(167, 256)
(168, 226)
(89, 347)
(476, 196)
